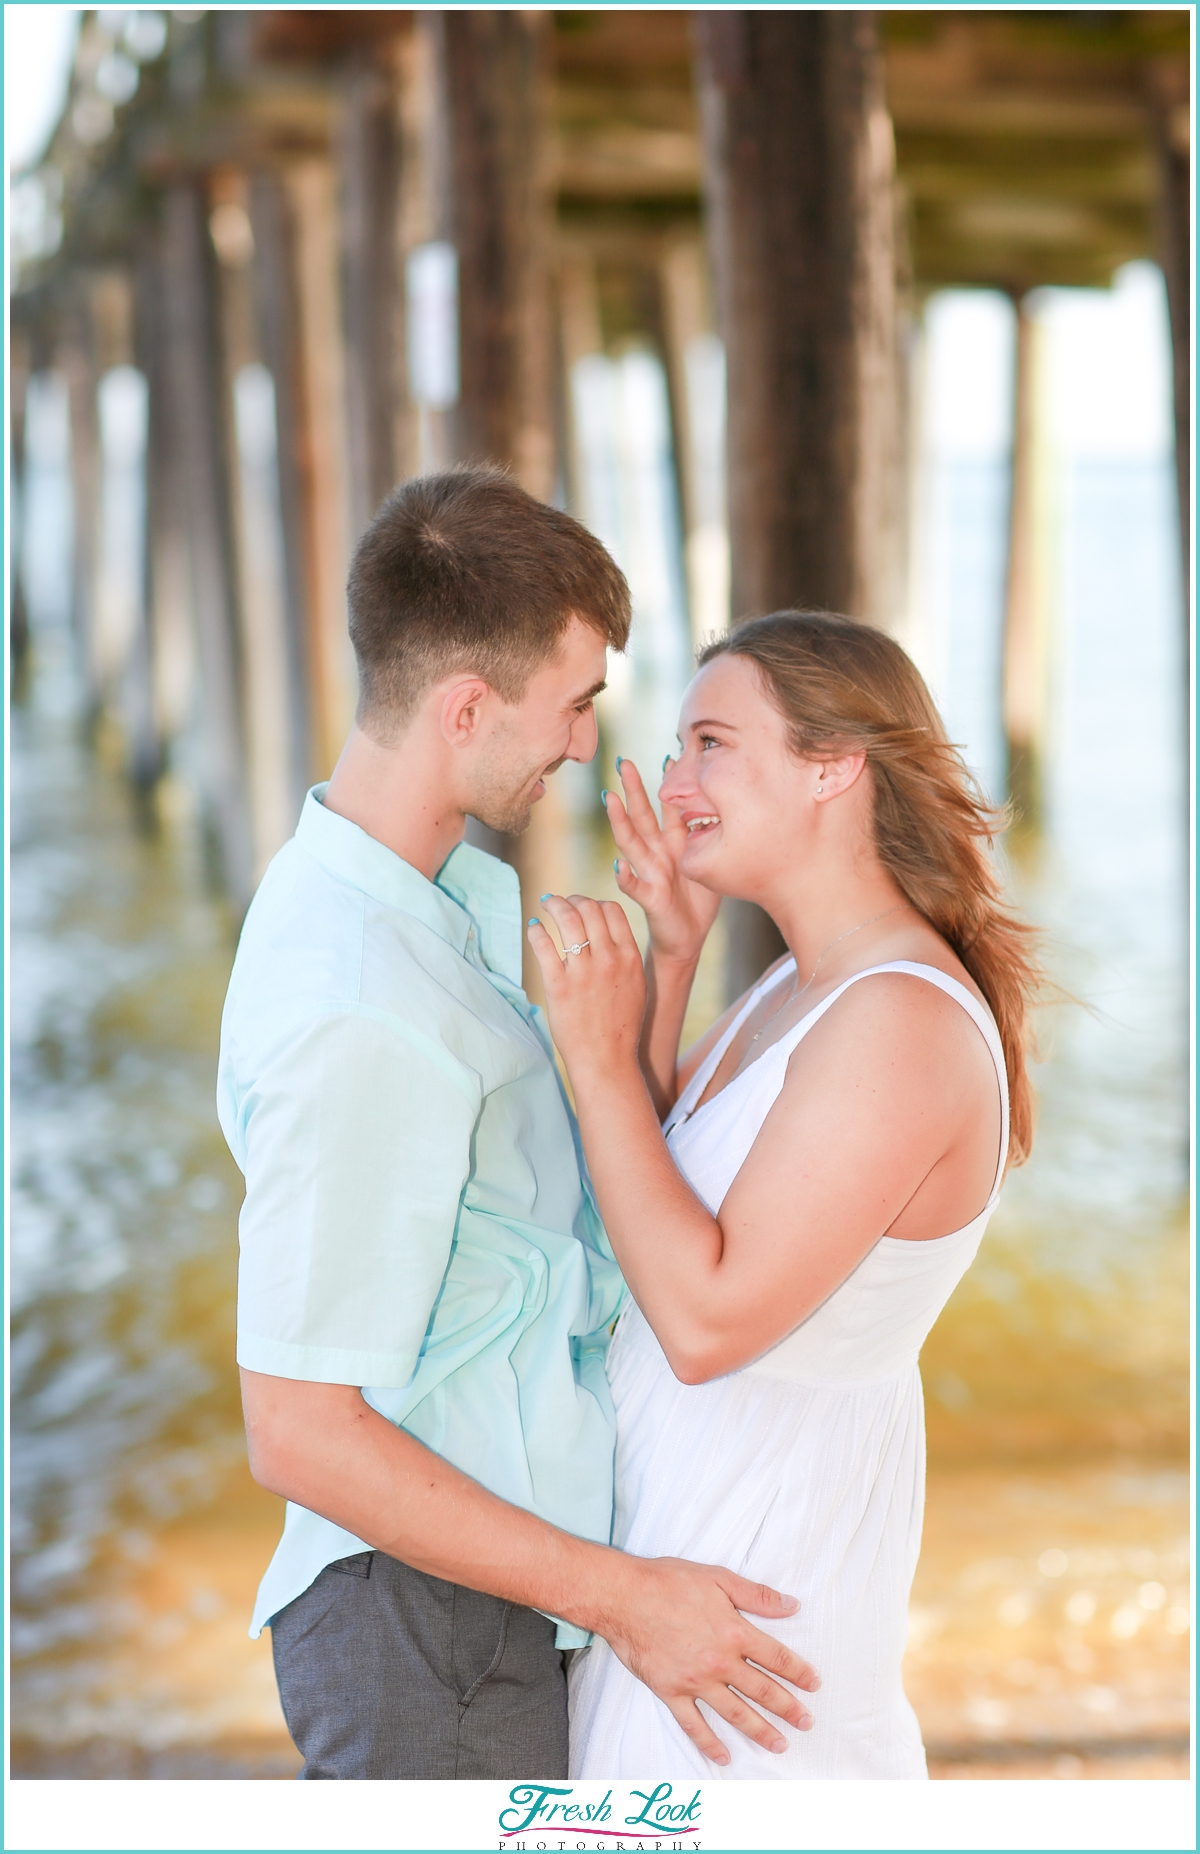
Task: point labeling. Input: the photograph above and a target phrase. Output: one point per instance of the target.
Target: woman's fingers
(620, 931)
(627, 839)
(567, 919)
(547, 955)
(595, 922)
(637, 801)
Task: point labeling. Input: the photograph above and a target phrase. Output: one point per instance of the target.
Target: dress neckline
(787, 1043)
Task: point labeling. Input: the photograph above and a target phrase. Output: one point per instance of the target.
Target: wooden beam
(1025, 614)
(799, 176)
(167, 579)
(369, 158)
(199, 420)
(19, 369)
(279, 338)
(313, 210)
(1168, 87)
(489, 169)
(77, 358)
(252, 466)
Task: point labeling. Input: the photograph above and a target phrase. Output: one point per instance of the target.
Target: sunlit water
(1051, 1603)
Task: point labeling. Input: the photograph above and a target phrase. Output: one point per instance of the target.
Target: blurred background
(886, 312)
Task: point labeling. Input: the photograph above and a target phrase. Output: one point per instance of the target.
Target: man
(426, 1291)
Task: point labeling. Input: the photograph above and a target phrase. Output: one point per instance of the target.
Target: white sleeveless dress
(804, 1470)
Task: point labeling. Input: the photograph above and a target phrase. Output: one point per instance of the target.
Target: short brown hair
(467, 571)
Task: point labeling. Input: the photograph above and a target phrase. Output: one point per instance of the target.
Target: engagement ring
(578, 948)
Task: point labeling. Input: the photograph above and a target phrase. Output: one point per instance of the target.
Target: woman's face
(745, 798)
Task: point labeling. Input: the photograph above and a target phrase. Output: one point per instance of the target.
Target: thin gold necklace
(793, 994)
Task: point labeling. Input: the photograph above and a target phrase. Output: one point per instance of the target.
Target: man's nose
(585, 738)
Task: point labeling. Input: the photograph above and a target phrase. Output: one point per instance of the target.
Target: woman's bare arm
(892, 1080)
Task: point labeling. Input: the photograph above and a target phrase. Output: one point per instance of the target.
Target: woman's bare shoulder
(895, 1026)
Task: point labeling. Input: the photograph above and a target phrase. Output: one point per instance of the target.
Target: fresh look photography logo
(561, 1816)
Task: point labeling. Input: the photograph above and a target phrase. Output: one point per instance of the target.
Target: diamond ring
(578, 947)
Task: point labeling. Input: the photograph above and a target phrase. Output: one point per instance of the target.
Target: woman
(833, 1150)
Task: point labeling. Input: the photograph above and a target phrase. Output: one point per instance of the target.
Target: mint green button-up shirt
(416, 1219)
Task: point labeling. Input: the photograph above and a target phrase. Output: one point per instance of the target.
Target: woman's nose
(675, 782)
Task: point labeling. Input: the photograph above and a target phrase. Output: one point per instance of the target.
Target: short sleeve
(357, 1140)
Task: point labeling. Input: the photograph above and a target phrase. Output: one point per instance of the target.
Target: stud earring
(820, 788)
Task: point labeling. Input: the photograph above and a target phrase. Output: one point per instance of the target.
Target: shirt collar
(471, 891)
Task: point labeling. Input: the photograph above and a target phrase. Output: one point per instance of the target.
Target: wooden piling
(798, 163)
(687, 324)
(798, 179)
(489, 170)
(1167, 83)
(369, 161)
(321, 405)
(279, 339)
(252, 473)
(19, 368)
(167, 576)
(199, 414)
(1025, 616)
(76, 356)
(488, 175)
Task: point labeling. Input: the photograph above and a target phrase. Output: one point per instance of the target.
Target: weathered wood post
(1168, 87)
(77, 357)
(275, 295)
(143, 742)
(1025, 617)
(369, 149)
(199, 419)
(312, 205)
(798, 176)
(490, 180)
(167, 577)
(487, 164)
(18, 616)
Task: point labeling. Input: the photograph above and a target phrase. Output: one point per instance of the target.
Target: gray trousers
(385, 1672)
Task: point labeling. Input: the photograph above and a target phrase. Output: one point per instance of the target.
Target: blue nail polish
(543, 897)
(533, 920)
(666, 762)
(617, 864)
(618, 762)
(604, 796)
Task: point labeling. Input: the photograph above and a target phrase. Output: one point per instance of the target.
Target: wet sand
(1048, 1638)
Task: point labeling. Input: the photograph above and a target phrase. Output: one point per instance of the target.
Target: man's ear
(461, 713)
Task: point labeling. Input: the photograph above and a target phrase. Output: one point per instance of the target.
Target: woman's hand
(679, 913)
(595, 997)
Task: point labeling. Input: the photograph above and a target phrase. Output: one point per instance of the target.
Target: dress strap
(704, 1074)
(953, 988)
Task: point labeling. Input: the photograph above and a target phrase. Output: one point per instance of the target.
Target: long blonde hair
(844, 686)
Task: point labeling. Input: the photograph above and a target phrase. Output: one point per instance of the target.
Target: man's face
(528, 740)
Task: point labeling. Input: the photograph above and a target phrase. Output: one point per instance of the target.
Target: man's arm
(674, 1624)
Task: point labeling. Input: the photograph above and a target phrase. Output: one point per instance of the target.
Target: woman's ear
(838, 775)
